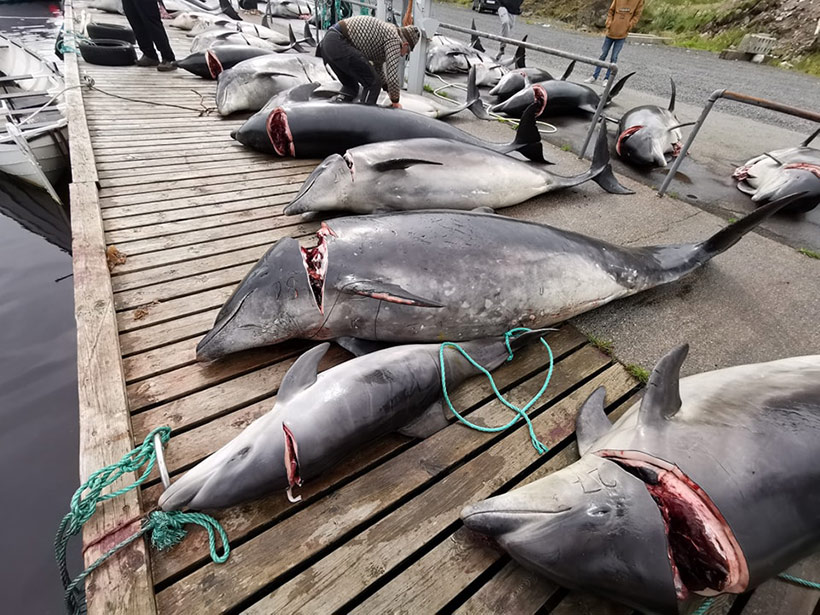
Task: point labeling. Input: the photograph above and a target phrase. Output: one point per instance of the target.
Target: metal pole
(599, 111)
(770, 104)
(679, 160)
(418, 57)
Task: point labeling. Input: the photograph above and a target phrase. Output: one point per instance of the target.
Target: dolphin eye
(600, 511)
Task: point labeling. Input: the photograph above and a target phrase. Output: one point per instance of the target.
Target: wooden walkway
(190, 211)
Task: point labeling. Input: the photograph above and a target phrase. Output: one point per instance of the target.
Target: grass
(732, 220)
(566, 147)
(604, 345)
(809, 64)
(809, 253)
(638, 372)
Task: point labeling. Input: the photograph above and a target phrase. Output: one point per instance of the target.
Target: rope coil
(520, 412)
(166, 528)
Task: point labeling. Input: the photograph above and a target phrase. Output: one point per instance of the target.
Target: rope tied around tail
(166, 528)
(520, 412)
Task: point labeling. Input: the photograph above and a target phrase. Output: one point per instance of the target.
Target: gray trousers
(507, 25)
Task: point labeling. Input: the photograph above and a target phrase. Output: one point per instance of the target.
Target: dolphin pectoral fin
(303, 372)
(483, 210)
(359, 347)
(396, 164)
(682, 125)
(385, 292)
(768, 155)
(592, 422)
(434, 419)
(662, 398)
(671, 106)
(568, 72)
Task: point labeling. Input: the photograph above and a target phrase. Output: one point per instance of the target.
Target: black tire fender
(111, 32)
(107, 52)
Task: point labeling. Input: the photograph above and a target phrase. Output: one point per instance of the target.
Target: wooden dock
(182, 212)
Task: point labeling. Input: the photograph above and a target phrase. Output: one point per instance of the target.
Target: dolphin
(318, 129)
(563, 97)
(318, 419)
(522, 77)
(416, 103)
(418, 276)
(288, 9)
(435, 174)
(187, 20)
(251, 83)
(648, 133)
(707, 486)
(224, 36)
(211, 62)
(769, 176)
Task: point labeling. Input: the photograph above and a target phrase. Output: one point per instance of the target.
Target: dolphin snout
(233, 134)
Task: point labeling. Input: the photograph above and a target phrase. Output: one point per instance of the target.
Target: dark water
(38, 380)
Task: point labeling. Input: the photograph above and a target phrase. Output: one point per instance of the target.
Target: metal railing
(741, 98)
(612, 68)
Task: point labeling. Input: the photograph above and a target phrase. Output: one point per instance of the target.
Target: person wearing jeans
(507, 11)
(622, 17)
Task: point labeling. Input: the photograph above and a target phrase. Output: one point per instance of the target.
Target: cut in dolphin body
(769, 176)
(442, 275)
(317, 129)
(435, 174)
(689, 493)
(318, 419)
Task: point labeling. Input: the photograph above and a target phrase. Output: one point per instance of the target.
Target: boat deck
(168, 214)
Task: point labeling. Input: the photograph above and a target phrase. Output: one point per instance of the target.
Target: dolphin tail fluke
(308, 36)
(475, 42)
(520, 60)
(527, 138)
(600, 171)
(474, 102)
(616, 89)
(675, 261)
(292, 42)
(672, 98)
(568, 72)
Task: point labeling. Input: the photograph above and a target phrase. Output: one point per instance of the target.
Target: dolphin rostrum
(435, 174)
(318, 419)
(709, 485)
(418, 276)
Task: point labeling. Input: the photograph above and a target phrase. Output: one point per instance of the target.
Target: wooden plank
(159, 360)
(255, 515)
(201, 236)
(361, 499)
(157, 336)
(202, 169)
(512, 590)
(123, 584)
(218, 148)
(433, 581)
(779, 597)
(235, 157)
(165, 310)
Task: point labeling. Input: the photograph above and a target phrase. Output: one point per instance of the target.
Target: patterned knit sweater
(380, 43)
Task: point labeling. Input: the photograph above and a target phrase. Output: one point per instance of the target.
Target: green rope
(521, 412)
(797, 580)
(166, 527)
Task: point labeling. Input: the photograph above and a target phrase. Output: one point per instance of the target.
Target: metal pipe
(741, 98)
(599, 111)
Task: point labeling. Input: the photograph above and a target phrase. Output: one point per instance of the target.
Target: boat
(33, 133)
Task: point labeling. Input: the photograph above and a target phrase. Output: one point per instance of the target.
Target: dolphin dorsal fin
(302, 374)
(672, 98)
(592, 422)
(662, 398)
(520, 54)
(568, 72)
(810, 138)
(768, 155)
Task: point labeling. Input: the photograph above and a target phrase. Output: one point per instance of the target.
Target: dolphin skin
(435, 174)
(319, 129)
(516, 80)
(318, 419)
(648, 133)
(769, 176)
(250, 84)
(563, 98)
(420, 276)
(708, 485)
(211, 62)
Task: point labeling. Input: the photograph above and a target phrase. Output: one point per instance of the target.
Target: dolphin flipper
(592, 422)
(672, 98)
(434, 419)
(303, 372)
(359, 347)
(385, 292)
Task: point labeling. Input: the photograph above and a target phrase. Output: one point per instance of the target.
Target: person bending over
(144, 19)
(365, 51)
(622, 17)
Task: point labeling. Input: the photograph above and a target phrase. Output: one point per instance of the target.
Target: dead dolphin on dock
(709, 485)
(211, 62)
(522, 77)
(785, 171)
(251, 83)
(563, 97)
(223, 36)
(319, 129)
(318, 419)
(289, 9)
(418, 174)
(419, 276)
(649, 132)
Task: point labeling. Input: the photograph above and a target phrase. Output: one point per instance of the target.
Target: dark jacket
(513, 6)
